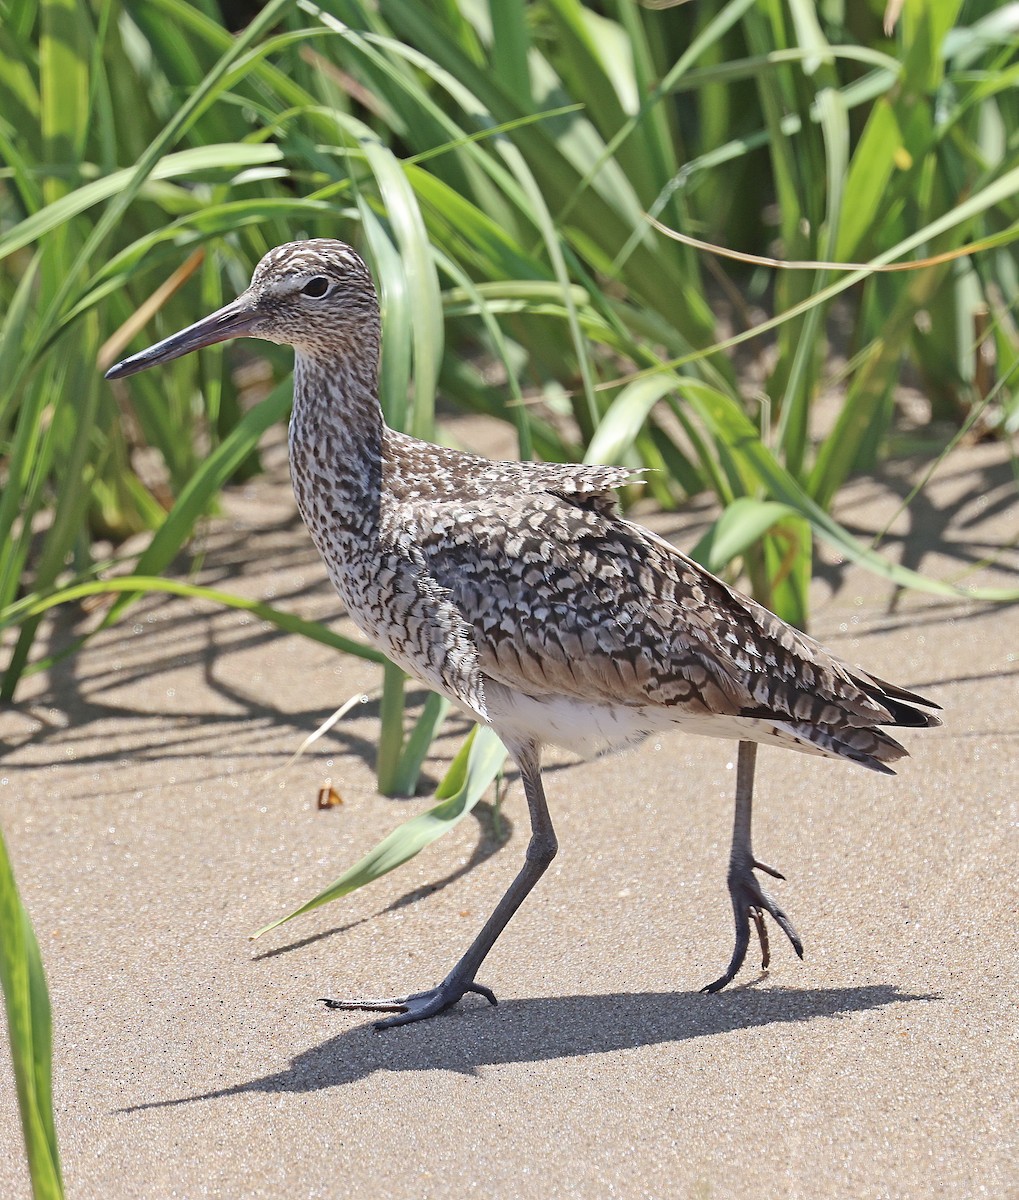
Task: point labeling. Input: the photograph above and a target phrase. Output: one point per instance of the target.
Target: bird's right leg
(540, 851)
(749, 900)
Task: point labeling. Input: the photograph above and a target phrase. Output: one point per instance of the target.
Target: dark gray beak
(235, 319)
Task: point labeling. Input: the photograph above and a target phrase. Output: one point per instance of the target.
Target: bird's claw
(750, 902)
(417, 1006)
(759, 866)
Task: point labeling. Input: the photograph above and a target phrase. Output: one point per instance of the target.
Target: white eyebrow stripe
(289, 284)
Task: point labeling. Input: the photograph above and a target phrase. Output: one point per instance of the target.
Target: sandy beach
(152, 828)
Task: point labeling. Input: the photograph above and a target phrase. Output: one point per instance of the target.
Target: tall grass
(497, 163)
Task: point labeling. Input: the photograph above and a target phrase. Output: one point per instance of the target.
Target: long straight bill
(235, 319)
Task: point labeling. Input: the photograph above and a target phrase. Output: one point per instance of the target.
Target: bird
(519, 591)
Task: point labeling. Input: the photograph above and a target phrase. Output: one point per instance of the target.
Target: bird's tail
(863, 740)
(904, 707)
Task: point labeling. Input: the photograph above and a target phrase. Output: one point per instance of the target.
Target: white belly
(591, 729)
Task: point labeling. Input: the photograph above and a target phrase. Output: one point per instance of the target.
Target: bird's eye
(316, 288)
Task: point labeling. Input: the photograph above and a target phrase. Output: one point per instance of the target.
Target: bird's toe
(418, 1006)
(750, 901)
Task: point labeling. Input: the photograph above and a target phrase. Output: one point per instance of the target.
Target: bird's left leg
(749, 900)
(540, 851)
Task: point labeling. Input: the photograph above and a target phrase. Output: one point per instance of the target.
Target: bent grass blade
(472, 771)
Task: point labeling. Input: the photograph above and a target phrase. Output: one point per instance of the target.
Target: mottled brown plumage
(520, 592)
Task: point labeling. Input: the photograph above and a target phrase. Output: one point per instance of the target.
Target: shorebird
(518, 590)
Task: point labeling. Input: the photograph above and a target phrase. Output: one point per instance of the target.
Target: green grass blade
(137, 585)
(625, 419)
(397, 320)
(732, 426)
(30, 451)
(200, 491)
(20, 122)
(510, 33)
(743, 523)
(416, 270)
(12, 333)
(870, 170)
(479, 761)
(27, 1003)
(63, 75)
(75, 408)
(390, 744)
(184, 164)
(423, 734)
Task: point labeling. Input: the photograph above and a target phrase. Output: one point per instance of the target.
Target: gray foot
(418, 1006)
(749, 903)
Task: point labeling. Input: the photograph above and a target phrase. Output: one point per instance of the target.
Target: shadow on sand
(537, 1030)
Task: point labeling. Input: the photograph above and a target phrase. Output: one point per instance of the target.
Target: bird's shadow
(541, 1029)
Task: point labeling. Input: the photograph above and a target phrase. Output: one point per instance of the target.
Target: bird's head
(317, 296)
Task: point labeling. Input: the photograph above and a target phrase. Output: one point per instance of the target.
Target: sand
(152, 829)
